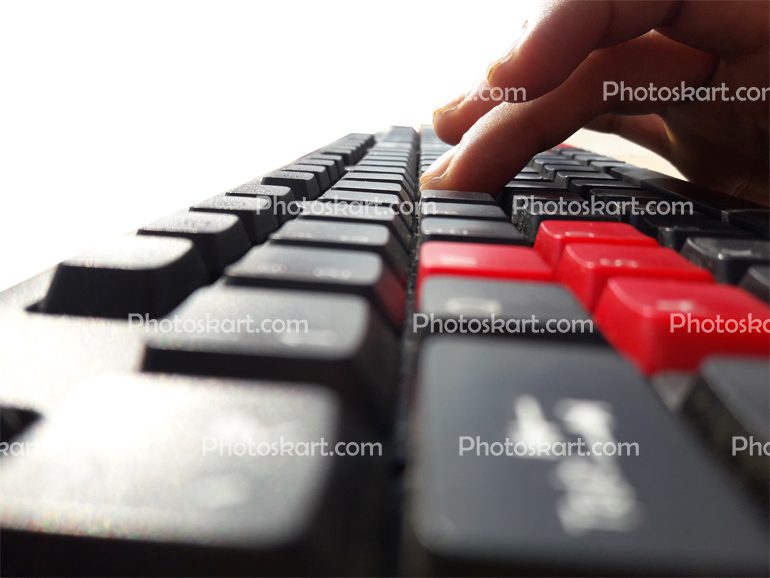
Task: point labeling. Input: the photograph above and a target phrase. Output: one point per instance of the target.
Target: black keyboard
(326, 371)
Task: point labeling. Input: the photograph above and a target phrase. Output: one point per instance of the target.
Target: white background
(114, 114)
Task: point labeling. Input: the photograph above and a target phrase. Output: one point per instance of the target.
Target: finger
(649, 130)
(474, 104)
(504, 140)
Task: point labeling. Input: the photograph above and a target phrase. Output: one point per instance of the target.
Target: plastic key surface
(304, 185)
(470, 230)
(257, 214)
(727, 259)
(673, 325)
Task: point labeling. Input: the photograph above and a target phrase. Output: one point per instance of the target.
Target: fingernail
(437, 170)
(509, 55)
(453, 104)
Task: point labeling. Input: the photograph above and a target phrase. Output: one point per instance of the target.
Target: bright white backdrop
(116, 113)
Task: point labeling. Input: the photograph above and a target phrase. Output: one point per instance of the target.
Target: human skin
(562, 57)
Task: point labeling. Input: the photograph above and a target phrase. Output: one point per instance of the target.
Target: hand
(569, 49)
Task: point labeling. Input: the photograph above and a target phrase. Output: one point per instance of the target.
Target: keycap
(481, 260)
(727, 259)
(350, 183)
(346, 153)
(506, 308)
(359, 214)
(659, 506)
(352, 236)
(338, 161)
(321, 177)
(13, 422)
(302, 184)
(586, 268)
(470, 230)
(438, 196)
(282, 201)
(462, 210)
(554, 236)
(730, 405)
(405, 173)
(397, 164)
(182, 476)
(219, 238)
(337, 340)
(327, 270)
(257, 214)
(528, 213)
(139, 275)
(550, 170)
(756, 221)
(362, 198)
(757, 282)
(330, 165)
(565, 177)
(677, 324)
(673, 230)
(581, 186)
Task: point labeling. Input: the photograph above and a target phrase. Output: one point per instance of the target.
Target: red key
(663, 325)
(554, 236)
(586, 268)
(481, 260)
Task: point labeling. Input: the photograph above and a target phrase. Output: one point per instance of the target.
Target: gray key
(351, 183)
(281, 198)
(336, 339)
(142, 475)
(528, 507)
(257, 214)
(132, 275)
(506, 309)
(219, 238)
(331, 167)
(469, 230)
(327, 270)
(321, 177)
(462, 210)
(457, 197)
(351, 236)
(757, 282)
(303, 185)
(727, 259)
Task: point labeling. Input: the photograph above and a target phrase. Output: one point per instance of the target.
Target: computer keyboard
(326, 371)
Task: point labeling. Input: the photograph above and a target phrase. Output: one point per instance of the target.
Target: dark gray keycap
(657, 505)
(331, 167)
(322, 178)
(359, 214)
(131, 275)
(281, 198)
(757, 282)
(257, 214)
(328, 270)
(183, 476)
(528, 212)
(400, 180)
(538, 163)
(347, 153)
(505, 308)
(457, 197)
(727, 259)
(583, 186)
(550, 170)
(673, 230)
(13, 422)
(730, 405)
(302, 184)
(351, 236)
(338, 161)
(350, 183)
(757, 221)
(335, 195)
(470, 230)
(528, 177)
(462, 210)
(338, 340)
(605, 165)
(219, 238)
(563, 178)
(373, 162)
(405, 173)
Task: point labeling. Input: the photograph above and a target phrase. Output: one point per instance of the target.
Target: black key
(219, 238)
(756, 221)
(347, 153)
(590, 158)
(528, 220)
(327, 270)
(757, 282)
(257, 214)
(528, 177)
(360, 214)
(338, 161)
(727, 259)
(563, 178)
(321, 177)
(13, 422)
(191, 482)
(538, 162)
(730, 405)
(336, 339)
(430, 195)
(505, 308)
(401, 180)
(657, 505)
(387, 164)
(132, 275)
(331, 167)
(462, 210)
(549, 171)
(404, 173)
(336, 195)
(583, 186)
(303, 185)
(605, 165)
(281, 198)
(673, 230)
(531, 187)
(470, 230)
(353, 182)
(353, 236)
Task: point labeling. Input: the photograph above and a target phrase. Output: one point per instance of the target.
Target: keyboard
(327, 371)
